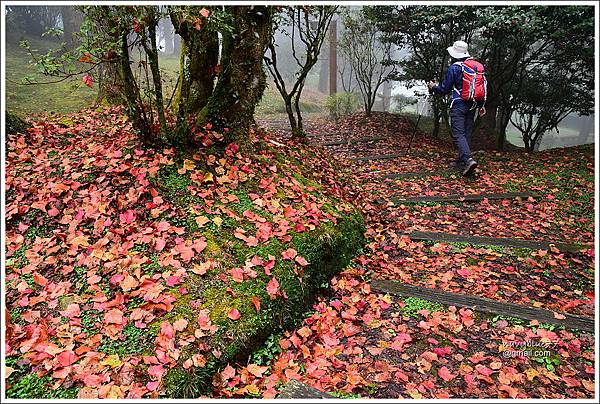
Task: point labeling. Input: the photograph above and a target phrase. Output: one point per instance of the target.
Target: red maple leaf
(273, 288)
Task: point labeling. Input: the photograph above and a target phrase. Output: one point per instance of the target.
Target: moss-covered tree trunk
(110, 86)
(243, 80)
(201, 55)
(152, 52)
(131, 94)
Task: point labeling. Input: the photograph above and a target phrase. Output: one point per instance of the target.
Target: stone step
(484, 305)
(398, 200)
(503, 242)
(296, 389)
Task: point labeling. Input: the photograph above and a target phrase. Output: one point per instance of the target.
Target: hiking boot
(469, 167)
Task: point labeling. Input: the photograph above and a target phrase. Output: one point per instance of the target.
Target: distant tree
(558, 78)
(71, 21)
(31, 21)
(511, 41)
(426, 32)
(308, 25)
(365, 52)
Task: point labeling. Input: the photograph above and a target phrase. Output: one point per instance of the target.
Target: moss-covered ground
(143, 273)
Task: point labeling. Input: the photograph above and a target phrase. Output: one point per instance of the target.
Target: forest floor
(360, 343)
(102, 261)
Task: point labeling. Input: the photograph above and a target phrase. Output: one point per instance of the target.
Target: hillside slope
(132, 272)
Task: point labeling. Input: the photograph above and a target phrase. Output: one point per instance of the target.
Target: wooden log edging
(296, 389)
(484, 305)
(378, 157)
(418, 174)
(350, 141)
(398, 200)
(569, 246)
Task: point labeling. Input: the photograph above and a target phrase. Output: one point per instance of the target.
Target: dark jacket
(453, 84)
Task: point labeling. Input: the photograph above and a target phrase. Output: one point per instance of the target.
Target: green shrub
(400, 102)
(341, 104)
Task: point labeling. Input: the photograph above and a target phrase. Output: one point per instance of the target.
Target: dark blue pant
(462, 119)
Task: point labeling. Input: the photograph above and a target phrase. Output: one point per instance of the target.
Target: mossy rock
(328, 249)
(15, 124)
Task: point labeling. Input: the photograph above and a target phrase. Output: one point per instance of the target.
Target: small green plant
(342, 394)
(89, 318)
(153, 266)
(341, 104)
(19, 259)
(136, 340)
(412, 305)
(511, 320)
(30, 385)
(269, 350)
(549, 361)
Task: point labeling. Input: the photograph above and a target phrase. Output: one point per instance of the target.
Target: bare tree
(361, 46)
(346, 73)
(307, 27)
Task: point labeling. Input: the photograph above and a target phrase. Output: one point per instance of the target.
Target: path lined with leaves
(360, 343)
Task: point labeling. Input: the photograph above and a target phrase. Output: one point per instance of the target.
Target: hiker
(466, 80)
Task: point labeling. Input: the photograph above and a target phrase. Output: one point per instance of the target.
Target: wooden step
(503, 242)
(378, 157)
(296, 389)
(350, 141)
(398, 200)
(419, 174)
(483, 305)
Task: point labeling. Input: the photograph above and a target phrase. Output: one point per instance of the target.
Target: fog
(30, 22)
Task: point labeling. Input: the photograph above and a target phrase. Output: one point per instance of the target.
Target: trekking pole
(416, 126)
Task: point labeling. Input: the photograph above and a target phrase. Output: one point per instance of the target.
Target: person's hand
(431, 84)
(482, 111)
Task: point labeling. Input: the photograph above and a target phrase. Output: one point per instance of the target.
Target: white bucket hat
(459, 50)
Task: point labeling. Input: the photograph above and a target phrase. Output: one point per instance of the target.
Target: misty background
(31, 23)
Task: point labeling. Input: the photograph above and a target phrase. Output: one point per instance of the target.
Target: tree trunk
(243, 80)
(324, 73)
(435, 132)
(110, 86)
(202, 50)
(291, 116)
(299, 132)
(152, 53)
(71, 20)
(130, 95)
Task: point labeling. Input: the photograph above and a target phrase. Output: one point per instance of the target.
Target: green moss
(212, 244)
(175, 185)
(306, 182)
(328, 249)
